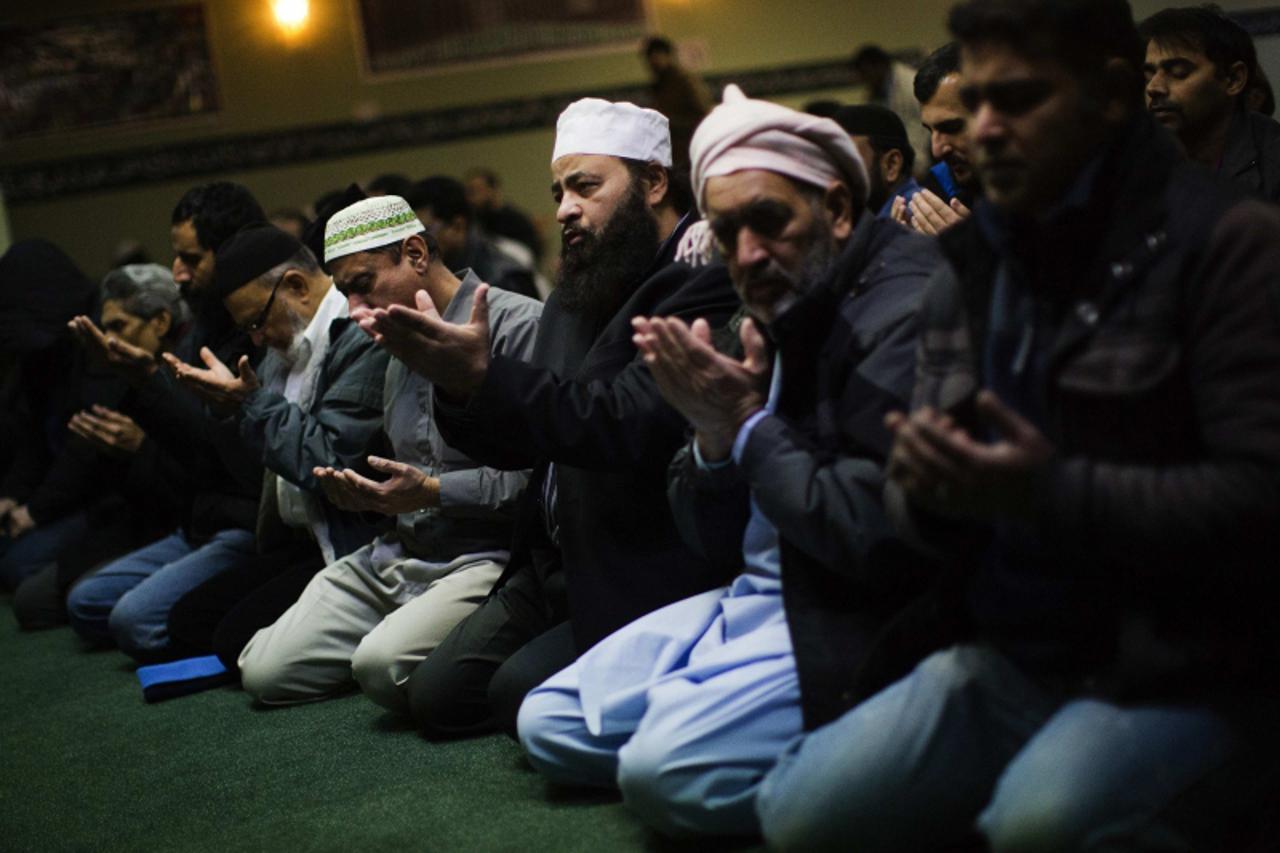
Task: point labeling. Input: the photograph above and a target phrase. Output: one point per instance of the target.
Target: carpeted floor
(85, 764)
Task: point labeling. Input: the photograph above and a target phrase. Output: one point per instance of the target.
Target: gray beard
(298, 346)
(818, 263)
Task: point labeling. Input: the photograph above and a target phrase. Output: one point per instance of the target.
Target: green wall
(270, 83)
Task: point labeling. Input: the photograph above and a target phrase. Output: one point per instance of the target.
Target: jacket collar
(1241, 151)
(1109, 236)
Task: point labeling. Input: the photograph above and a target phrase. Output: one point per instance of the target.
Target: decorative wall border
(48, 180)
(1259, 22)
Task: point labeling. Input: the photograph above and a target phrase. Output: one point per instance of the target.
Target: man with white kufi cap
(596, 546)
(372, 615)
(686, 709)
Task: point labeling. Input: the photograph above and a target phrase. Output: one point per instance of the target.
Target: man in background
(881, 140)
(1199, 67)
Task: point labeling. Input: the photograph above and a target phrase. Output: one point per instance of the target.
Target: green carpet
(85, 764)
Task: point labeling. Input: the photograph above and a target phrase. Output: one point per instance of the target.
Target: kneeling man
(687, 708)
(370, 617)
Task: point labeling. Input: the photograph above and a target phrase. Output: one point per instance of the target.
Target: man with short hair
(110, 490)
(881, 140)
(949, 188)
(203, 219)
(596, 546)
(1199, 66)
(704, 694)
(1092, 446)
(441, 204)
(371, 616)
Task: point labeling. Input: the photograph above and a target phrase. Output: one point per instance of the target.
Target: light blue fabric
(129, 600)
(770, 405)
(969, 734)
(684, 709)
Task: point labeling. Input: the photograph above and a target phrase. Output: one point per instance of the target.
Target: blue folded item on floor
(182, 677)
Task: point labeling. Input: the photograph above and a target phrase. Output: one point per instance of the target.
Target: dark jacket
(223, 479)
(1251, 159)
(80, 474)
(342, 426)
(815, 466)
(41, 368)
(1161, 345)
(586, 402)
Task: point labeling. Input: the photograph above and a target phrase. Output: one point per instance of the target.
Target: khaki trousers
(364, 620)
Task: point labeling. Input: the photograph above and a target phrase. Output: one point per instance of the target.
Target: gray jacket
(340, 428)
(476, 503)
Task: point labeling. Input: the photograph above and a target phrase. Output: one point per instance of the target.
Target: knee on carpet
(273, 679)
(436, 691)
(507, 691)
(540, 733)
(131, 626)
(37, 605)
(792, 817)
(87, 612)
(373, 665)
(676, 792)
(1039, 816)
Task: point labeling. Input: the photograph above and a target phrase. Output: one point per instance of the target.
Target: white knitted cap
(369, 224)
(595, 126)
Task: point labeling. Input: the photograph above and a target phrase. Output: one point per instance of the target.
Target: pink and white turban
(743, 133)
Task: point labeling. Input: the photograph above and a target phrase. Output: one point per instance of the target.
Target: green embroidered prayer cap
(369, 224)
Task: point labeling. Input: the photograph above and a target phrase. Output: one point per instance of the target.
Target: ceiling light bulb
(290, 14)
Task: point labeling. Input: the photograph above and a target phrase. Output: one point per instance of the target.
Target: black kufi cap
(249, 253)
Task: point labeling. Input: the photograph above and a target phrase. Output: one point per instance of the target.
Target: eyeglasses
(1012, 97)
(261, 319)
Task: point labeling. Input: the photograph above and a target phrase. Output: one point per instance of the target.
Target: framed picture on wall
(405, 36)
(106, 68)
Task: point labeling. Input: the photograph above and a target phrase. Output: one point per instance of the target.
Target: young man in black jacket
(595, 544)
(781, 485)
(1093, 447)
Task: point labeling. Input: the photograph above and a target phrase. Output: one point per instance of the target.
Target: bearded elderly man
(584, 412)
(688, 707)
(369, 617)
(318, 404)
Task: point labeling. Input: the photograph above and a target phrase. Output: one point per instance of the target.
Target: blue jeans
(129, 600)
(22, 557)
(968, 744)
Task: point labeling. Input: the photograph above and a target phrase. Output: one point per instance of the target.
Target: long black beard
(598, 274)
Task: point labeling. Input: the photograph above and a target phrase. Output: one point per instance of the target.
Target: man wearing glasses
(318, 404)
